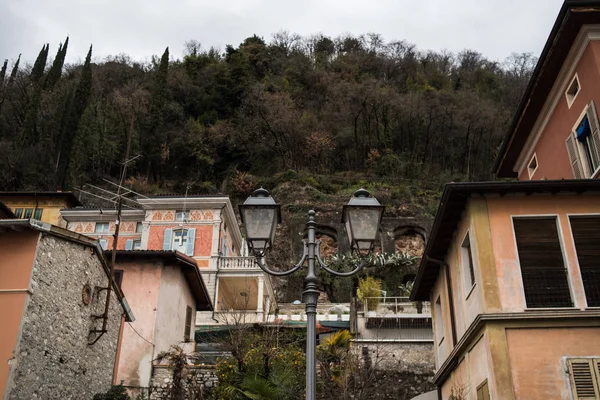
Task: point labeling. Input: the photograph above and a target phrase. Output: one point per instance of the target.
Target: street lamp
(362, 218)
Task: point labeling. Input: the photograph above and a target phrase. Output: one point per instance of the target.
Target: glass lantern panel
(364, 223)
(258, 222)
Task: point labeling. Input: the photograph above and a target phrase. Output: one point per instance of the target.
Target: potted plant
(346, 316)
(296, 315)
(320, 315)
(333, 315)
(369, 292)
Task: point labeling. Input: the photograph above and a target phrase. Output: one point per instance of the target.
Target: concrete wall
(17, 253)
(538, 369)
(141, 283)
(173, 298)
(52, 358)
(553, 160)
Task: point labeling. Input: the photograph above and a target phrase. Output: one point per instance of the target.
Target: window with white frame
(180, 238)
(182, 216)
(439, 323)
(139, 227)
(101, 227)
(468, 269)
(532, 166)
(137, 245)
(572, 91)
(583, 144)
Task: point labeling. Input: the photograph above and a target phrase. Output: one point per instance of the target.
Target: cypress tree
(3, 72)
(158, 99)
(56, 70)
(77, 107)
(14, 71)
(40, 63)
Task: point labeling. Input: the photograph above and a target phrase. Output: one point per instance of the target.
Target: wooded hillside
(214, 120)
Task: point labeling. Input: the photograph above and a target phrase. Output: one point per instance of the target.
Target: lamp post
(260, 216)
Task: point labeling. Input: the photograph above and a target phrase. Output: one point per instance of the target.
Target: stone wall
(52, 358)
(197, 380)
(401, 356)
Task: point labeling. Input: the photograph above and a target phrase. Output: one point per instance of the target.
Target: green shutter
(191, 236)
(168, 239)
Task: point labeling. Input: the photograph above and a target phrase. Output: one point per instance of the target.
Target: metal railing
(390, 307)
(229, 263)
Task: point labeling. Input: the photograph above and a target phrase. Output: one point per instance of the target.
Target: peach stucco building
(203, 228)
(512, 274)
(165, 289)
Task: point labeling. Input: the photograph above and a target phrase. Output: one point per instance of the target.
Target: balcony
(237, 264)
(395, 307)
(394, 319)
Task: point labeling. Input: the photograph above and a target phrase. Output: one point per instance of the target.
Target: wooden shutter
(483, 391)
(129, 244)
(586, 235)
(574, 157)
(188, 324)
(595, 128)
(584, 378)
(191, 237)
(543, 269)
(168, 239)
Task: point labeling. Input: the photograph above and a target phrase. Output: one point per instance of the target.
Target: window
(533, 164)
(118, 277)
(543, 270)
(182, 216)
(180, 240)
(572, 91)
(467, 263)
(18, 212)
(38, 213)
(137, 245)
(586, 235)
(439, 323)
(101, 227)
(483, 391)
(188, 324)
(139, 227)
(28, 213)
(583, 144)
(584, 376)
(103, 244)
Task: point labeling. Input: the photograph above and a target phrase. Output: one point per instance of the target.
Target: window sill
(470, 291)
(550, 309)
(592, 308)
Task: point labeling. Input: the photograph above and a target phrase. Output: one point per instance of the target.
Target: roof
(572, 16)
(5, 212)
(452, 205)
(68, 196)
(188, 267)
(21, 224)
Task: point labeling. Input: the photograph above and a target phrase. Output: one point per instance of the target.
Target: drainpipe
(450, 297)
(217, 273)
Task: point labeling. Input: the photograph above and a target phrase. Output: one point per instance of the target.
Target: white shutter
(129, 244)
(574, 157)
(191, 237)
(595, 128)
(167, 239)
(584, 378)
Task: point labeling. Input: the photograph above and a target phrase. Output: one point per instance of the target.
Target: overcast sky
(142, 28)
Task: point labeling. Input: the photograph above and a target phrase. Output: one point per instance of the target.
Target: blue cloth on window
(583, 130)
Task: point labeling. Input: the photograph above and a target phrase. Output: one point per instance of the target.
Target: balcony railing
(395, 307)
(239, 263)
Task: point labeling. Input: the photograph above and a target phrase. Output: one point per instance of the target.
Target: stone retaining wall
(198, 382)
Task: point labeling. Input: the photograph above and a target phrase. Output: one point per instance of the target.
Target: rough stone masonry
(52, 359)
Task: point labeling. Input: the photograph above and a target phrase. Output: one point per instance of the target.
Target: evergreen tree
(56, 70)
(152, 143)
(77, 107)
(40, 64)
(3, 72)
(15, 69)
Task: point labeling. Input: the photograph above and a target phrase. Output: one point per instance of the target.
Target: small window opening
(572, 91)
(533, 164)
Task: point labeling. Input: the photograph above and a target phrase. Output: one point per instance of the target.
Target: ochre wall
(202, 242)
(537, 359)
(505, 252)
(552, 157)
(141, 283)
(17, 253)
(51, 207)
